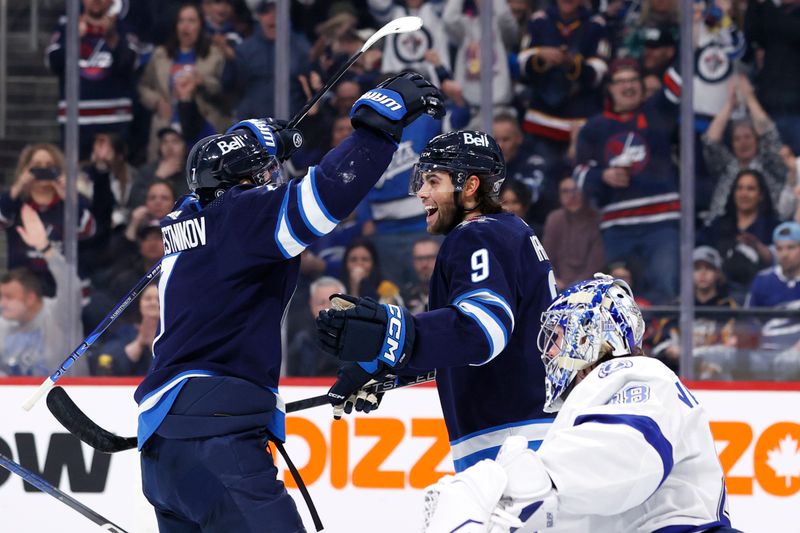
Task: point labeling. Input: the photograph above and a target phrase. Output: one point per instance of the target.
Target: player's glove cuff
(273, 135)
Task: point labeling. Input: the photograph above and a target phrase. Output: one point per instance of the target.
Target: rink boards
(365, 473)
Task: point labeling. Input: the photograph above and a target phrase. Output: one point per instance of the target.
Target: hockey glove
(352, 390)
(396, 103)
(273, 135)
(379, 336)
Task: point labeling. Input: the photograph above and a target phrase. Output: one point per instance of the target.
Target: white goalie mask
(587, 321)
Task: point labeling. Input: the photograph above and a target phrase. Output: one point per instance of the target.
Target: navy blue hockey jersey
(491, 283)
(230, 268)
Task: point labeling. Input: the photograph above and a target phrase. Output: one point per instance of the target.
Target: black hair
(203, 45)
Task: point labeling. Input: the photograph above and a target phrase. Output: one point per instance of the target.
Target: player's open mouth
(431, 211)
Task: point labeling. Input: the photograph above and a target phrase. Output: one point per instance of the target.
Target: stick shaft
(53, 491)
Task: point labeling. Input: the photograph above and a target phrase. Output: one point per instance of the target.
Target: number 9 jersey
(491, 283)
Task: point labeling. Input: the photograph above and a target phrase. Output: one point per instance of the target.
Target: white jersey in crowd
(631, 451)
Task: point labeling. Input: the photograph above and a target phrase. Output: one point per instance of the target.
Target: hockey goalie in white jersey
(630, 450)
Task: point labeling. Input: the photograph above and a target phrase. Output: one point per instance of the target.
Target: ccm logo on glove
(394, 334)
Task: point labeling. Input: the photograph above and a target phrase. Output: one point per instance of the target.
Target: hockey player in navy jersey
(630, 450)
(232, 254)
(491, 275)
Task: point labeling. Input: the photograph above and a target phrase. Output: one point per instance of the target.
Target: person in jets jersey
(210, 400)
(492, 275)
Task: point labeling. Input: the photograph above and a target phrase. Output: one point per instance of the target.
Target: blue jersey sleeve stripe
(318, 220)
(644, 425)
(490, 297)
(288, 243)
(319, 203)
(493, 328)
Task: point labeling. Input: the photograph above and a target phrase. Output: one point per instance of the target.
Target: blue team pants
(222, 484)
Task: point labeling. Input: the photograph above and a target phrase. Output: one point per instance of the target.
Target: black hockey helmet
(217, 163)
(462, 154)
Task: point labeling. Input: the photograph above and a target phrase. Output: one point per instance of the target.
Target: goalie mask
(587, 322)
(219, 162)
(462, 154)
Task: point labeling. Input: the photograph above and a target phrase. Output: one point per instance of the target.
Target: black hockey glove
(273, 135)
(378, 336)
(396, 103)
(351, 390)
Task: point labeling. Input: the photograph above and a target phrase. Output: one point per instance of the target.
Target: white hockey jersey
(631, 451)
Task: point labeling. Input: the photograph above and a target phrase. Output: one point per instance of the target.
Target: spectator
(107, 164)
(36, 331)
(652, 85)
(127, 351)
(779, 356)
(419, 51)
(625, 165)
(653, 13)
(361, 274)
(158, 203)
(711, 335)
(572, 237)
(659, 50)
(743, 234)
(788, 200)
(416, 293)
(220, 18)
(107, 64)
(525, 165)
(564, 62)
(718, 44)
(182, 83)
(521, 10)
(169, 166)
(755, 145)
(107, 180)
(255, 66)
(463, 26)
(39, 183)
(306, 358)
(515, 197)
(775, 29)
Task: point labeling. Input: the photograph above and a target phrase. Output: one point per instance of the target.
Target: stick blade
(398, 25)
(76, 422)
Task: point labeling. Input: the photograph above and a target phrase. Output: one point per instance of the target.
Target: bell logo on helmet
(235, 143)
(477, 140)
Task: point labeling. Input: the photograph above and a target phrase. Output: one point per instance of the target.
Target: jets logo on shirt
(629, 150)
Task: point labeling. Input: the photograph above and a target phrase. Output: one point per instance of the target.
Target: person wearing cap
(710, 290)
(625, 166)
(659, 49)
(169, 166)
(255, 66)
(778, 355)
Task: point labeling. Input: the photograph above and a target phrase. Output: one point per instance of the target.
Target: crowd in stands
(586, 102)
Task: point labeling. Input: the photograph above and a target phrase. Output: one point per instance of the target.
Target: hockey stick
(76, 422)
(48, 383)
(64, 498)
(398, 25)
